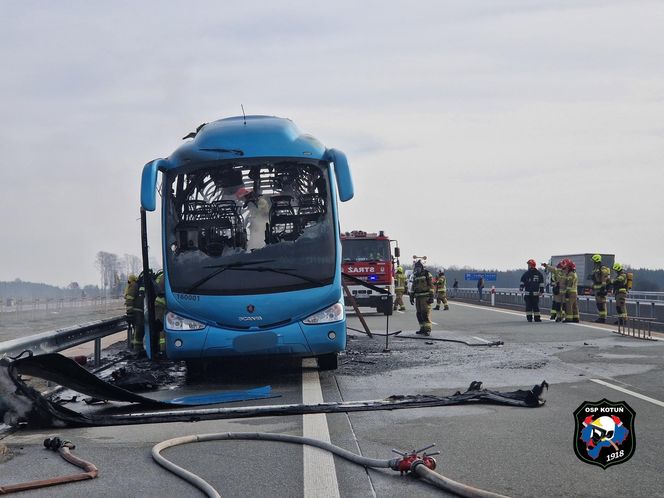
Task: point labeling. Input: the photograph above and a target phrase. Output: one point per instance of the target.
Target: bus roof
(253, 136)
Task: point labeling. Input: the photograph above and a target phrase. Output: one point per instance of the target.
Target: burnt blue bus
(250, 243)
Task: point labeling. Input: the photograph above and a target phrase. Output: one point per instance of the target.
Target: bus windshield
(365, 250)
(247, 226)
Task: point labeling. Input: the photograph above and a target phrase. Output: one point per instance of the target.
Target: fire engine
(368, 257)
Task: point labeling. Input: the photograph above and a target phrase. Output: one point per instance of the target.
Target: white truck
(584, 268)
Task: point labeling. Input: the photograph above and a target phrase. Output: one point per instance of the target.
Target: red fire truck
(368, 257)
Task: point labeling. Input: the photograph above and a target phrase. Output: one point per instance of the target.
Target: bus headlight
(177, 322)
(334, 313)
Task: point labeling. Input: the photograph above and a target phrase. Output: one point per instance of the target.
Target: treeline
(30, 291)
(645, 280)
(113, 273)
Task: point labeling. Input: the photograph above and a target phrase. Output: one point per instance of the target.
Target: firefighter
(134, 298)
(571, 293)
(532, 283)
(129, 295)
(160, 308)
(399, 289)
(619, 285)
(441, 291)
(557, 280)
(601, 278)
(422, 296)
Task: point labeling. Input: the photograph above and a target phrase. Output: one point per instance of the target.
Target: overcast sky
(479, 133)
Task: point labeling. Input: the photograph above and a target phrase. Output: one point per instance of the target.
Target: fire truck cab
(368, 257)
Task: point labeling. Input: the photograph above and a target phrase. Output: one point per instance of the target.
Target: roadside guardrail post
(97, 351)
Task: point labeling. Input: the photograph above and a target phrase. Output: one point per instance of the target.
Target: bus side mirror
(344, 179)
(397, 252)
(149, 184)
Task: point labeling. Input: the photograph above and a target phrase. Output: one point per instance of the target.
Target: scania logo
(249, 318)
(251, 308)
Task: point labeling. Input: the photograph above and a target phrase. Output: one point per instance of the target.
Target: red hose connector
(409, 461)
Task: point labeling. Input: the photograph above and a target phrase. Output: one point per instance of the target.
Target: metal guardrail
(58, 340)
(651, 309)
(636, 327)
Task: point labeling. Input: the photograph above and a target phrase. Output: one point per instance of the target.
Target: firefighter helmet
(617, 266)
(571, 265)
(441, 272)
(399, 269)
(597, 258)
(532, 263)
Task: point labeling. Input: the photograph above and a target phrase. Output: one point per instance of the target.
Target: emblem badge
(604, 432)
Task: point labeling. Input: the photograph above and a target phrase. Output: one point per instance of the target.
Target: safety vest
(600, 277)
(160, 299)
(400, 282)
(558, 277)
(572, 282)
(130, 294)
(620, 282)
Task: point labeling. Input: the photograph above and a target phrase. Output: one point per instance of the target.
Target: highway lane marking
(477, 306)
(320, 474)
(627, 391)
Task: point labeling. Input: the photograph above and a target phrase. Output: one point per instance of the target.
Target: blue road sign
(488, 277)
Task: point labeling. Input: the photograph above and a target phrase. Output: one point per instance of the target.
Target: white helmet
(604, 428)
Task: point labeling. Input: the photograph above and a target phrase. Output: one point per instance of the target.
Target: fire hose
(417, 462)
(64, 448)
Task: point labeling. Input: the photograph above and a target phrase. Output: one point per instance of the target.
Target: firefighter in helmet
(532, 283)
(134, 298)
(558, 289)
(160, 308)
(601, 278)
(129, 295)
(571, 292)
(399, 289)
(619, 285)
(422, 296)
(441, 291)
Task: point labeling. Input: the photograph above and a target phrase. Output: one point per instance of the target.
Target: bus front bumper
(295, 339)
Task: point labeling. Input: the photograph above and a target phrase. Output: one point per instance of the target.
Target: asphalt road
(507, 450)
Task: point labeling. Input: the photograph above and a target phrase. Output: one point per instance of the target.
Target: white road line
(627, 391)
(402, 312)
(434, 323)
(320, 475)
(480, 339)
(487, 308)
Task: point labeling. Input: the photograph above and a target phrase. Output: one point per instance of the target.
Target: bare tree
(133, 264)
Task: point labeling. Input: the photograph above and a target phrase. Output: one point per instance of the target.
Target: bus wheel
(328, 361)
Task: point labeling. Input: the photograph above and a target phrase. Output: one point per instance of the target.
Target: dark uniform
(532, 283)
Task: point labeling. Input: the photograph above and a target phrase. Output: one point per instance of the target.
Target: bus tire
(329, 361)
(195, 369)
